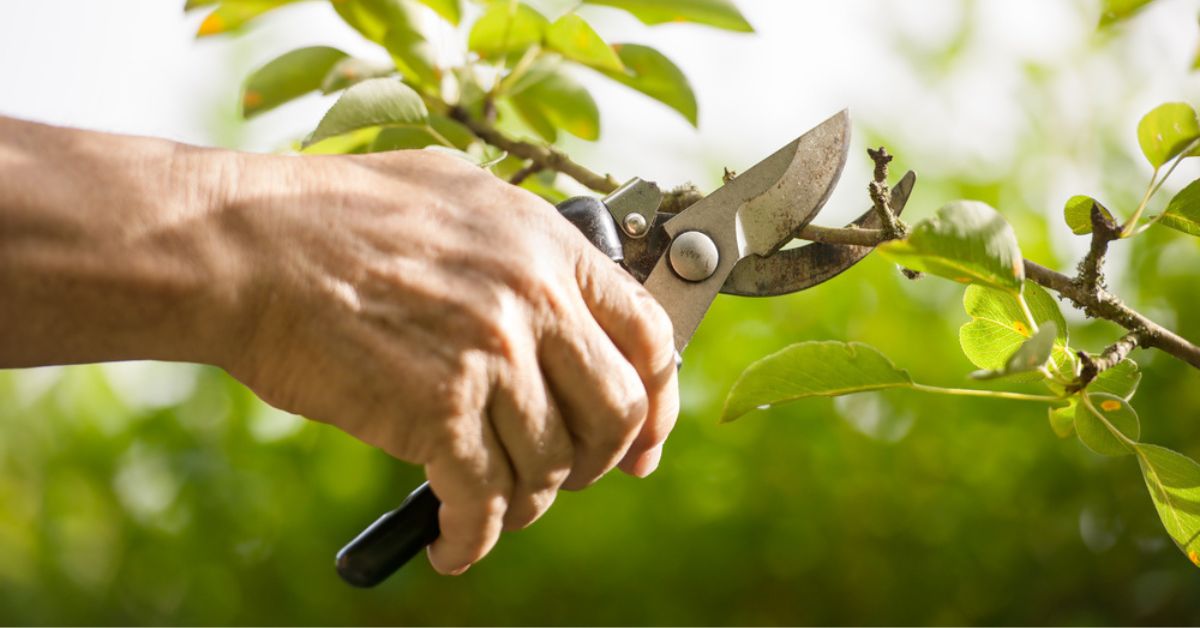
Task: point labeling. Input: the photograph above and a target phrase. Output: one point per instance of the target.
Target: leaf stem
(1137, 215)
(1033, 326)
(993, 394)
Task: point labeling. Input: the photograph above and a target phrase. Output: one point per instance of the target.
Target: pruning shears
(729, 242)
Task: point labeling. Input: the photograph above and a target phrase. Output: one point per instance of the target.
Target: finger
(599, 393)
(532, 433)
(473, 481)
(642, 331)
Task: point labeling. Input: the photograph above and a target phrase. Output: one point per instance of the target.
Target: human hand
(454, 321)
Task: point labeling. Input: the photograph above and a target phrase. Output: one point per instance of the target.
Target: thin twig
(1110, 357)
(881, 195)
(524, 173)
(547, 157)
(1091, 268)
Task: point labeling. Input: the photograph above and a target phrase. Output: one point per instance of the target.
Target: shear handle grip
(396, 537)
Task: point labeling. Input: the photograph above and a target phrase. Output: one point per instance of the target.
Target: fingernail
(460, 571)
(649, 462)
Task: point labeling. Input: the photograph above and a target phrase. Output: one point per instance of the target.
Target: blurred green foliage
(154, 494)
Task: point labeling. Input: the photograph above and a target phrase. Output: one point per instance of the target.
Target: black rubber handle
(396, 537)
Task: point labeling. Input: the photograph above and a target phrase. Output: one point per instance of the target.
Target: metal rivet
(694, 256)
(635, 224)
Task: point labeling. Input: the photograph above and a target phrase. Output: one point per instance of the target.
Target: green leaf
(1183, 212)
(998, 327)
(288, 77)
(1114, 11)
(351, 143)
(807, 369)
(1174, 483)
(1095, 424)
(231, 15)
(413, 55)
(450, 10)
(1167, 131)
(373, 19)
(1029, 356)
(968, 242)
(196, 4)
(507, 28)
(575, 39)
(718, 13)
(548, 99)
(352, 71)
(1078, 214)
(650, 72)
(377, 102)
(440, 129)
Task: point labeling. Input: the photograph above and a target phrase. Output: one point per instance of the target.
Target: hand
(454, 321)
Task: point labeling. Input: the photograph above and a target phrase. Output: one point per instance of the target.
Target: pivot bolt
(694, 256)
(635, 225)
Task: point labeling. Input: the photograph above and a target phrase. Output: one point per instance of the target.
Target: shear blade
(793, 270)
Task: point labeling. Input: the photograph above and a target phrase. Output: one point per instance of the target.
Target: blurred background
(142, 493)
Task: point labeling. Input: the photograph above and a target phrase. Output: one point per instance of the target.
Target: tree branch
(1086, 292)
(547, 157)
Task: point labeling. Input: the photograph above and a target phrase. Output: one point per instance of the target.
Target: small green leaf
(1174, 483)
(807, 369)
(718, 13)
(653, 74)
(352, 71)
(1116, 10)
(413, 55)
(1121, 380)
(575, 39)
(377, 102)
(1078, 214)
(1167, 131)
(968, 242)
(1183, 212)
(231, 15)
(506, 28)
(288, 77)
(1095, 424)
(998, 327)
(1029, 356)
(450, 10)
(548, 97)
(1062, 420)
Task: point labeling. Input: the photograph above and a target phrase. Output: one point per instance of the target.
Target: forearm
(111, 248)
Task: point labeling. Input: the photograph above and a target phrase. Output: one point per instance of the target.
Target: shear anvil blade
(793, 270)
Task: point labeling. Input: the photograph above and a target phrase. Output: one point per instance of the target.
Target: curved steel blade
(797, 269)
(756, 213)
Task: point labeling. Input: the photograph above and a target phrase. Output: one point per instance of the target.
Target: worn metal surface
(793, 270)
(636, 198)
(756, 213)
